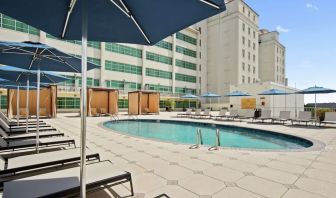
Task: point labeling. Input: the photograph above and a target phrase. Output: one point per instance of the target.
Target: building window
(254, 70)
(254, 46)
(159, 58)
(249, 14)
(253, 58)
(243, 79)
(249, 68)
(186, 51)
(186, 38)
(243, 40)
(254, 34)
(158, 73)
(185, 78)
(160, 88)
(249, 43)
(185, 64)
(248, 30)
(123, 67)
(12, 24)
(125, 85)
(243, 66)
(243, 53)
(254, 17)
(249, 55)
(243, 27)
(165, 45)
(243, 9)
(248, 80)
(122, 49)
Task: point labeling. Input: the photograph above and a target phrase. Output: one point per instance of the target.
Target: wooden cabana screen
(140, 102)
(48, 99)
(102, 101)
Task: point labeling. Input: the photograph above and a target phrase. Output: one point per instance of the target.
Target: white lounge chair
(233, 114)
(248, 114)
(31, 143)
(206, 114)
(329, 118)
(197, 113)
(284, 116)
(42, 160)
(66, 182)
(221, 114)
(304, 116)
(186, 114)
(265, 115)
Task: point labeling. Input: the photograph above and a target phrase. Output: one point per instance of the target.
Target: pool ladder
(199, 139)
(217, 142)
(114, 117)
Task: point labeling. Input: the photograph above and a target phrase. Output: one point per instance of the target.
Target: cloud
(279, 28)
(311, 6)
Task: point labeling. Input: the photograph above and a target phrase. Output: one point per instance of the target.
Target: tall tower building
(232, 48)
(271, 57)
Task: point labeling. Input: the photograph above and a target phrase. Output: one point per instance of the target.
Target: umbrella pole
(83, 104)
(17, 105)
(27, 104)
(315, 111)
(189, 103)
(38, 109)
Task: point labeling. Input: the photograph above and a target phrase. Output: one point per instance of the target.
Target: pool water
(185, 132)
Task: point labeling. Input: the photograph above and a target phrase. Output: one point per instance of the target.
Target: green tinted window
(123, 103)
(158, 73)
(185, 90)
(160, 88)
(185, 78)
(185, 64)
(159, 58)
(122, 85)
(10, 23)
(165, 45)
(3, 102)
(123, 67)
(122, 49)
(186, 51)
(186, 38)
(68, 103)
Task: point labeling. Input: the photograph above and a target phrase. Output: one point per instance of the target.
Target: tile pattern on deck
(174, 169)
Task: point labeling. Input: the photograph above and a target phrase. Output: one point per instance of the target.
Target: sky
(308, 31)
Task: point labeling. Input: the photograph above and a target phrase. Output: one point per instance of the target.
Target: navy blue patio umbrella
(189, 96)
(124, 21)
(316, 90)
(23, 76)
(273, 92)
(237, 94)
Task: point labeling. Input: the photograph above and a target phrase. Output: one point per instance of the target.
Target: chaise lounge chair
(31, 143)
(329, 118)
(304, 116)
(32, 162)
(103, 112)
(205, 114)
(65, 183)
(186, 114)
(23, 136)
(265, 115)
(22, 129)
(21, 122)
(196, 114)
(284, 116)
(221, 114)
(233, 114)
(248, 114)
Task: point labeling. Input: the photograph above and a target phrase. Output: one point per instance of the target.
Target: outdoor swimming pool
(230, 136)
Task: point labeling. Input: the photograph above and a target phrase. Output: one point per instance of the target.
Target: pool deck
(174, 169)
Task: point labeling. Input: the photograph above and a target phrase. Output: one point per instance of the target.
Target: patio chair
(248, 114)
(21, 122)
(23, 136)
(329, 118)
(284, 116)
(29, 163)
(22, 129)
(265, 115)
(186, 114)
(233, 114)
(197, 113)
(64, 183)
(304, 116)
(31, 143)
(103, 112)
(206, 114)
(221, 114)
(94, 112)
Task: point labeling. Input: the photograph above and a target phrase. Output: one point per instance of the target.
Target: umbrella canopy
(123, 21)
(237, 94)
(316, 90)
(127, 21)
(273, 92)
(18, 75)
(35, 56)
(189, 96)
(210, 95)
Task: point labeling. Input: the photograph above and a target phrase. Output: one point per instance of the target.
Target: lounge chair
(103, 112)
(265, 115)
(329, 118)
(233, 114)
(186, 114)
(23, 136)
(284, 116)
(22, 129)
(304, 116)
(221, 114)
(31, 143)
(64, 183)
(197, 113)
(248, 114)
(206, 114)
(26, 163)
(21, 122)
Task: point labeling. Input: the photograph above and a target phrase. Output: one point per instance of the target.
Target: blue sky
(308, 30)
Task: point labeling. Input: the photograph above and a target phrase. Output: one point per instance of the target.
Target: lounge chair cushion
(59, 181)
(42, 141)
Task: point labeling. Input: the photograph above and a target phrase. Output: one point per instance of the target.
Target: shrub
(321, 113)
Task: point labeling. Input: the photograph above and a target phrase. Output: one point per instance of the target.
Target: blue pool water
(185, 132)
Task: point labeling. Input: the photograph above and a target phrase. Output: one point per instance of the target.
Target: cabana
(48, 99)
(143, 102)
(102, 101)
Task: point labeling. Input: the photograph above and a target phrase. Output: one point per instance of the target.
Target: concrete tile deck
(177, 171)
